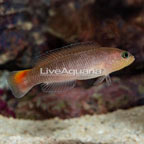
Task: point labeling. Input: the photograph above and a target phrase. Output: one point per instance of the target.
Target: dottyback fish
(59, 70)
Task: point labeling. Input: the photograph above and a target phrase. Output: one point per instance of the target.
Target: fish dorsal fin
(65, 51)
(58, 87)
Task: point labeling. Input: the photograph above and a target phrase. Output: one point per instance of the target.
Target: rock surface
(28, 29)
(120, 127)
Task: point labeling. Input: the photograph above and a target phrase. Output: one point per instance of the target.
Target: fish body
(80, 62)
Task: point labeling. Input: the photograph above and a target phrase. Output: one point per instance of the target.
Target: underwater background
(28, 28)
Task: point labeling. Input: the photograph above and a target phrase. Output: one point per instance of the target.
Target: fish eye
(125, 55)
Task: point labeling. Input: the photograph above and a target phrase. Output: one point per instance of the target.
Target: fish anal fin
(58, 87)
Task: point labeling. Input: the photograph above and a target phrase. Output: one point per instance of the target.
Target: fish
(59, 70)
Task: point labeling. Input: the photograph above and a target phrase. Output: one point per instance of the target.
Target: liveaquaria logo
(74, 72)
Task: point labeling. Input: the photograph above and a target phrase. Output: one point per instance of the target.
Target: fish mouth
(132, 59)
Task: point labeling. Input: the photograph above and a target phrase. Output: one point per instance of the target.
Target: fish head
(119, 59)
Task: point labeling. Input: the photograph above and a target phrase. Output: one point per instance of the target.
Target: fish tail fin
(18, 83)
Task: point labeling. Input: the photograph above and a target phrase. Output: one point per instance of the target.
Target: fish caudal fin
(18, 83)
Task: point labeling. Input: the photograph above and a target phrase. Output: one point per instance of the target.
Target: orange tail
(18, 83)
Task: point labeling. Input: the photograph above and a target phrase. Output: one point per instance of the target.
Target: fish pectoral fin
(102, 78)
(99, 80)
(58, 87)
